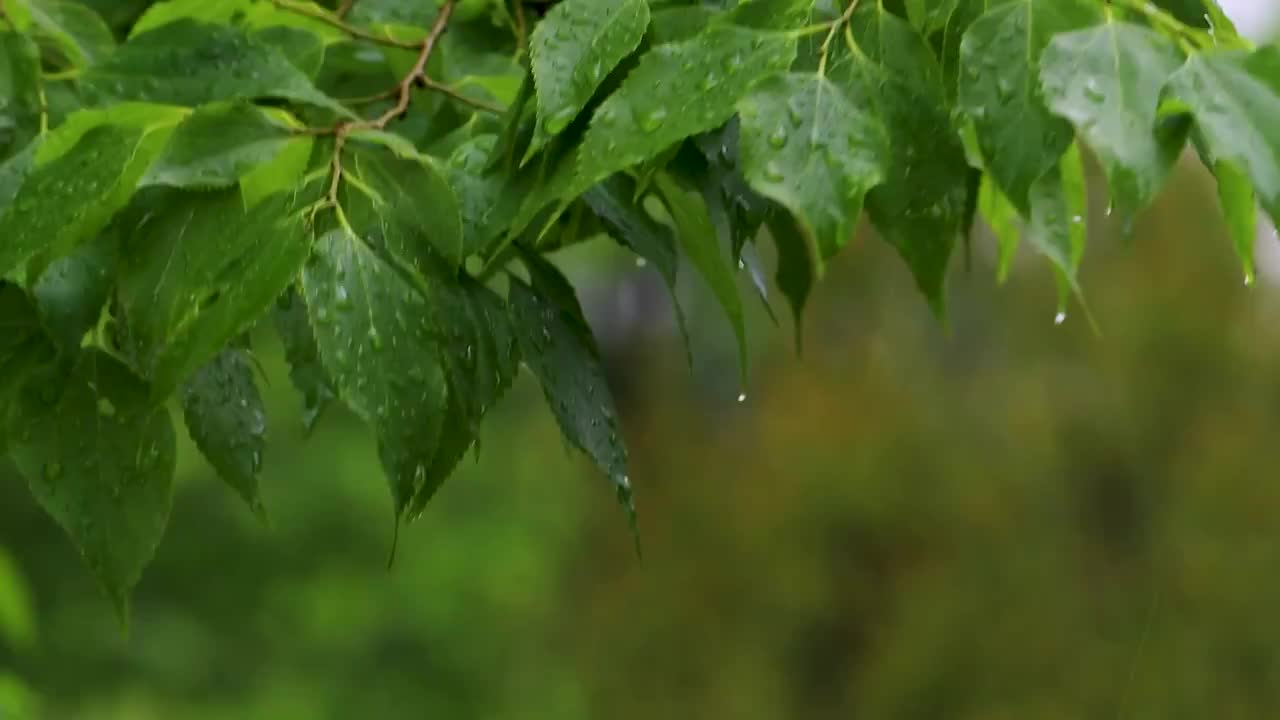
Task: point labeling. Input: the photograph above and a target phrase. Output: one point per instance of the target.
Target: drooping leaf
(999, 89)
(557, 345)
(1239, 207)
(480, 361)
(1002, 217)
(219, 144)
(1106, 81)
(66, 201)
(374, 333)
(614, 202)
(198, 270)
(800, 265)
(190, 63)
(1234, 98)
(226, 418)
(804, 145)
(697, 235)
(920, 208)
(572, 50)
(303, 355)
(99, 457)
(1057, 222)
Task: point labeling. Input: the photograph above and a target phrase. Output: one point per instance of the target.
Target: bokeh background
(1003, 519)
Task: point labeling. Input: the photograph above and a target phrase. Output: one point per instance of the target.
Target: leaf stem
(344, 7)
(838, 23)
(1191, 39)
(336, 21)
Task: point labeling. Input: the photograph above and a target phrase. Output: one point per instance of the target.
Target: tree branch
(336, 21)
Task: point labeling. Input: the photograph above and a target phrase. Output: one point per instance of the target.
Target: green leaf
(99, 457)
(804, 145)
(303, 355)
(920, 208)
(676, 91)
(1106, 81)
(72, 291)
(999, 89)
(701, 244)
(219, 144)
(771, 14)
(1005, 224)
(375, 339)
(19, 91)
(79, 32)
(800, 266)
(1234, 98)
(614, 202)
(228, 422)
(1057, 222)
(479, 192)
(412, 206)
(480, 361)
(1239, 207)
(557, 345)
(198, 270)
(65, 201)
(189, 63)
(572, 50)
(248, 14)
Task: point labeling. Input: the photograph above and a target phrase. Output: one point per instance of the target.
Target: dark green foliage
(175, 171)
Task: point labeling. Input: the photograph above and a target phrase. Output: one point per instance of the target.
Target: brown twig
(344, 7)
(464, 99)
(336, 21)
(404, 91)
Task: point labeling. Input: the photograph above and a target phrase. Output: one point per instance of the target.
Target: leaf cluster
(381, 182)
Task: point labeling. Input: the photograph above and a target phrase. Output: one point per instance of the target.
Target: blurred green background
(1006, 519)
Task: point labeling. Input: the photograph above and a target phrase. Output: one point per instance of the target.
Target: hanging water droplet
(1077, 219)
(1060, 318)
(778, 138)
(742, 264)
(1248, 279)
(52, 470)
(641, 262)
(773, 172)
(651, 120)
(1093, 92)
(742, 397)
(106, 408)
